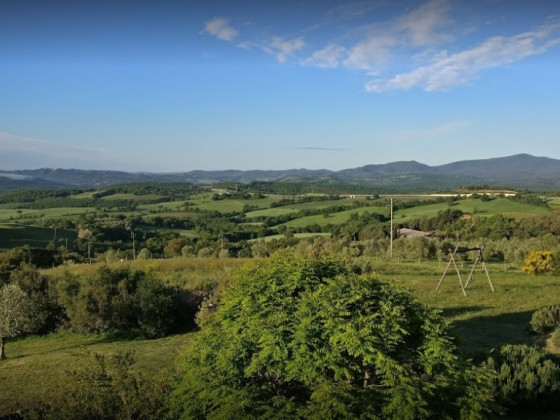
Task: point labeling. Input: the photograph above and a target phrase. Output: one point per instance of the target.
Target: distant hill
(518, 171)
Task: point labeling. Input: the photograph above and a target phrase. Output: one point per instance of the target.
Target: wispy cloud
(449, 70)
(422, 26)
(328, 57)
(221, 29)
(282, 49)
(439, 130)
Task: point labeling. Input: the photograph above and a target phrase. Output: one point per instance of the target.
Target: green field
(484, 208)
(14, 235)
(37, 367)
(334, 218)
(8, 215)
(294, 208)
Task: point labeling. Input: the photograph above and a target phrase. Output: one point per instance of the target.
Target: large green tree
(16, 314)
(310, 339)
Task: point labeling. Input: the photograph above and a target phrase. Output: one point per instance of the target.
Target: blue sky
(172, 86)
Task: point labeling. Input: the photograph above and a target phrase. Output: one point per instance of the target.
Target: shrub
(546, 319)
(539, 262)
(555, 338)
(527, 376)
(310, 339)
(117, 300)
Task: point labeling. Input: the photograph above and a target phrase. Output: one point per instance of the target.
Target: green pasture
(229, 205)
(134, 197)
(37, 367)
(296, 235)
(482, 319)
(162, 207)
(293, 208)
(14, 235)
(334, 218)
(554, 202)
(54, 213)
(484, 208)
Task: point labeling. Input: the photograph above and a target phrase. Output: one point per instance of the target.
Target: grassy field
(484, 320)
(485, 208)
(334, 218)
(13, 235)
(11, 215)
(37, 367)
(293, 208)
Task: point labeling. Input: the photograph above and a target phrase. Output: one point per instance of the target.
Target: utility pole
(391, 227)
(133, 247)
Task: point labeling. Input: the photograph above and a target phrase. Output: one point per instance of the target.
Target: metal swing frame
(479, 258)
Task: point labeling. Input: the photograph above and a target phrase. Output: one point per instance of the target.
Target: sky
(175, 86)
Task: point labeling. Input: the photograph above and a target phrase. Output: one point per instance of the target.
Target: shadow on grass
(78, 341)
(461, 310)
(479, 335)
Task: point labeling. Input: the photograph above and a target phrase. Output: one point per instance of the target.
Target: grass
(485, 208)
(187, 273)
(293, 208)
(483, 319)
(36, 366)
(297, 235)
(14, 235)
(334, 218)
(229, 205)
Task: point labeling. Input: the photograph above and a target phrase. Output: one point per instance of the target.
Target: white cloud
(422, 24)
(429, 133)
(328, 57)
(420, 27)
(369, 53)
(449, 70)
(220, 28)
(282, 49)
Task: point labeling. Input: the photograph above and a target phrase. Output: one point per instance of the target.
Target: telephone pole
(133, 247)
(391, 227)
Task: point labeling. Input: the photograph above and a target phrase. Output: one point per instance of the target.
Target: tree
(16, 312)
(174, 247)
(298, 338)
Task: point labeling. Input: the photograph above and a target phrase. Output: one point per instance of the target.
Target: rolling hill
(517, 171)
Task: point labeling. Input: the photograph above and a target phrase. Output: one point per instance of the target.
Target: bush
(527, 377)
(311, 339)
(546, 319)
(539, 262)
(555, 338)
(117, 300)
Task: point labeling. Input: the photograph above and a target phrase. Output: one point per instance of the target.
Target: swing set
(479, 259)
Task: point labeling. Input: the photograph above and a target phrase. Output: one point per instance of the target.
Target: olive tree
(310, 339)
(16, 314)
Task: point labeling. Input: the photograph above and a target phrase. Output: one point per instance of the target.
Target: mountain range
(522, 171)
